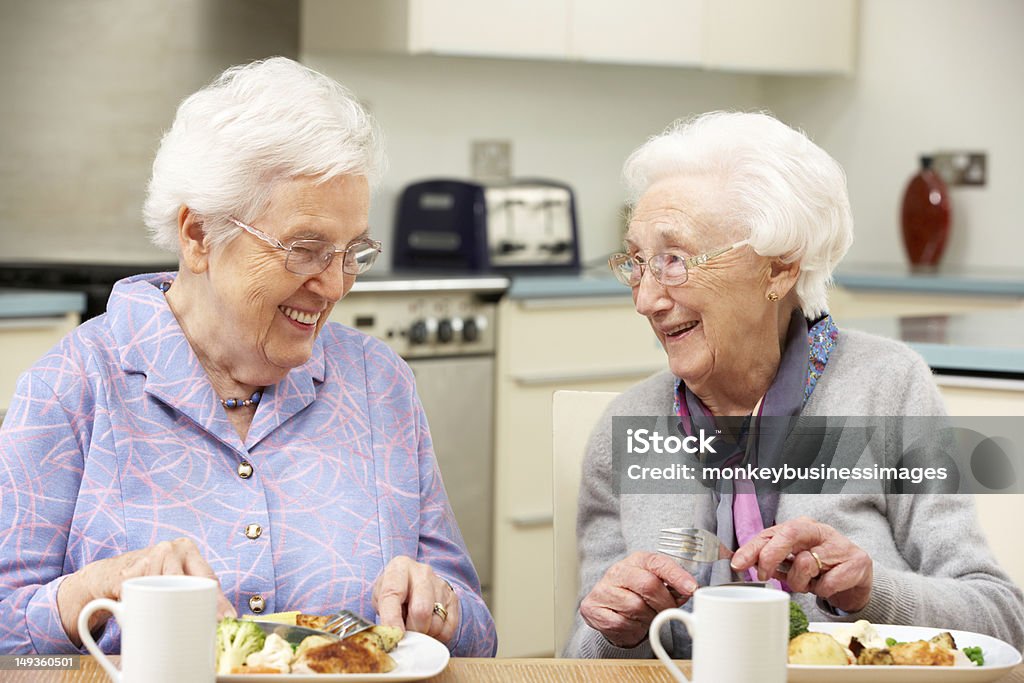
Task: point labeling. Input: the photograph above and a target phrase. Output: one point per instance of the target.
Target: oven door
(458, 394)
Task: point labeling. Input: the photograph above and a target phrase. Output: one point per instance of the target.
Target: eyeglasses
(311, 257)
(668, 269)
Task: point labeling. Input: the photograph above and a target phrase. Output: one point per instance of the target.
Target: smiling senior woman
(213, 422)
(737, 224)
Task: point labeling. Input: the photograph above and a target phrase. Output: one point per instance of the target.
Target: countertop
(945, 280)
(30, 303)
(988, 343)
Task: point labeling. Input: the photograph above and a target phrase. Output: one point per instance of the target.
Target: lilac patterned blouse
(115, 441)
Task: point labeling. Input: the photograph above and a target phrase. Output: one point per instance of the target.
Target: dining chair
(573, 416)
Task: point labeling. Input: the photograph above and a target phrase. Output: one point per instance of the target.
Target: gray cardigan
(932, 565)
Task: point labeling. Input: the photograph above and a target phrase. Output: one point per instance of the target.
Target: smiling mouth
(679, 331)
(299, 316)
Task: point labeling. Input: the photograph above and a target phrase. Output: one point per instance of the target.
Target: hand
(843, 577)
(103, 578)
(624, 602)
(404, 596)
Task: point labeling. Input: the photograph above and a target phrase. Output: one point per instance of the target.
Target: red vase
(925, 217)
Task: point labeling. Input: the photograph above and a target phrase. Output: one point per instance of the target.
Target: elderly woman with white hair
(737, 223)
(213, 423)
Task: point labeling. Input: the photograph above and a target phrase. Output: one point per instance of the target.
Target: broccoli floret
(236, 640)
(797, 620)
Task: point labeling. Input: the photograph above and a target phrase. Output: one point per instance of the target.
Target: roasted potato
(817, 649)
(921, 653)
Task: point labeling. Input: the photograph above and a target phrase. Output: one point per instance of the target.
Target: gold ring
(821, 567)
(440, 611)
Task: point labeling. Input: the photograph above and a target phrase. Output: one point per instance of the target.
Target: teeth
(683, 328)
(299, 316)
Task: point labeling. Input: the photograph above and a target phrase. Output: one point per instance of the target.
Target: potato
(817, 649)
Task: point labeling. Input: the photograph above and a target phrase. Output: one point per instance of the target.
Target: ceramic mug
(168, 630)
(740, 634)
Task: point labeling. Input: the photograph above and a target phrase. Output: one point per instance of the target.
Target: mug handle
(114, 608)
(655, 637)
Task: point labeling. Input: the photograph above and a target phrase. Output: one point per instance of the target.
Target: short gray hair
(253, 126)
(786, 191)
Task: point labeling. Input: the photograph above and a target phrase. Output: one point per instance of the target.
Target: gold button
(257, 604)
(244, 470)
(253, 531)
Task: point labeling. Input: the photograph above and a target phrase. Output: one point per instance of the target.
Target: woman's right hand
(624, 602)
(103, 578)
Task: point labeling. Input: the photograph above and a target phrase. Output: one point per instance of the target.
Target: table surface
(467, 670)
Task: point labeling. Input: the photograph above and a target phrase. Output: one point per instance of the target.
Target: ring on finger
(440, 611)
(821, 566)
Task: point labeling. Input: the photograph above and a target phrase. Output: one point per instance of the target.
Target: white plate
(1000, 658)
(417, 656)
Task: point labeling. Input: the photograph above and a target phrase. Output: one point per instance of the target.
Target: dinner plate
(417, 656)
(1000, 658)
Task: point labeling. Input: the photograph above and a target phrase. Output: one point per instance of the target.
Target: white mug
(740, 634)
(168, 630)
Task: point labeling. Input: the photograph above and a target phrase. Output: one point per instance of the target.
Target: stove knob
(470, 331)
(418, 332)
(445, 333)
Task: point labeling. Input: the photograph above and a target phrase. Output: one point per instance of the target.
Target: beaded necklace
(253, 400)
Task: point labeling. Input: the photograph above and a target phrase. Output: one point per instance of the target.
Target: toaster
(523, 225)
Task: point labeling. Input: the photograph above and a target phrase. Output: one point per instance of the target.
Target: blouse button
(253, 531)
(257, 604)
(244, 470)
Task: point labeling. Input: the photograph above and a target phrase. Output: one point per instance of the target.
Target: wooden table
(466, 670)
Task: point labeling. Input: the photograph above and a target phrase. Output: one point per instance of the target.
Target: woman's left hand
(406, 595)
(825, 562)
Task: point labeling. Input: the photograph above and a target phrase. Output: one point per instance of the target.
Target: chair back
(574, 414)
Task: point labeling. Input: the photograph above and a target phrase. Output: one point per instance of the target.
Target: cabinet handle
(538, 378)
(32, 323)
(533, 521)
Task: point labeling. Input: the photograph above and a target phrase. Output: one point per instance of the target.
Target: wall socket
(962, 168)
(491, 160)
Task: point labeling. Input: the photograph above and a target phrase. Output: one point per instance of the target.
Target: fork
(346, 623)
(699, 545)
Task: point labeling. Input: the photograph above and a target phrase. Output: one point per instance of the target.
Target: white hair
(253, 126)
(786, 191)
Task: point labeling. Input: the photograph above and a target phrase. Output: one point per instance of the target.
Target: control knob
(470, 330)
(445, 333)
(418, 332)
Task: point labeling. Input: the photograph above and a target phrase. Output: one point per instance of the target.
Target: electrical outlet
(962, 168)
(491, 160)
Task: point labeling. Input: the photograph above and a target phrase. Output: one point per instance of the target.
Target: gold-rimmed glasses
(669, 270)
(311, 257)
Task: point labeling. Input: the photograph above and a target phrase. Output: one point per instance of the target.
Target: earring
(772, 296)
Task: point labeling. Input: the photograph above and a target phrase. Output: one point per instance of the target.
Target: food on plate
(818, 649)
(797, 620)
(242, 648)
(860, 643)
(236, 640)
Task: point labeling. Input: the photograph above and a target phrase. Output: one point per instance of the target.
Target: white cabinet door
(667, 32)
(536, 29)
(781, 36)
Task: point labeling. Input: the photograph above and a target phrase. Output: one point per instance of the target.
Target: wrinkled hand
(103, 579)
(624, 602)
(844, 578)
(404, 595)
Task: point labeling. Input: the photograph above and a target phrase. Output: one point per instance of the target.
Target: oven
(445, 329)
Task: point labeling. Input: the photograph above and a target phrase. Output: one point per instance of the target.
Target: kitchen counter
(28, 303)
(586, 284)
(986, 343)
(945, 280)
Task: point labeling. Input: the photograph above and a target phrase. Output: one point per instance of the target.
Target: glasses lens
(309, 257)
(670, 269)
(622, 268)
(360, 257)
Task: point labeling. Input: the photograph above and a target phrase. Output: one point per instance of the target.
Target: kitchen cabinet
(545, 344)
(785, 36)
(23, 341)
(849, 304)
